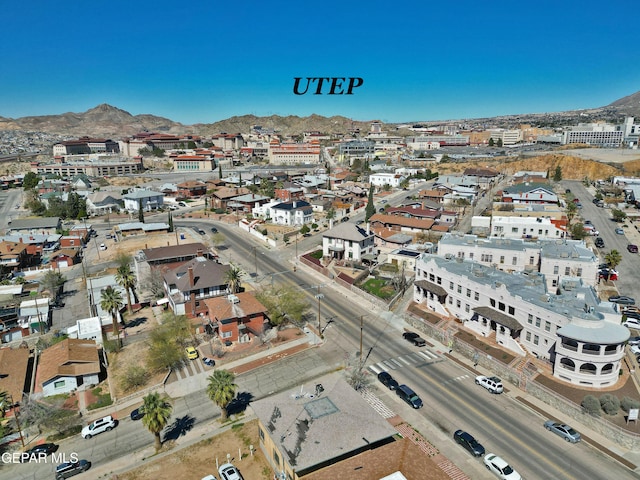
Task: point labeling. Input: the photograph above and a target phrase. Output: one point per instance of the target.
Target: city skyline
(421, 62)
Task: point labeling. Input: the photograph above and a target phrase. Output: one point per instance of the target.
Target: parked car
(228, 472)
(467, 441)
(632, 248)
(409, 396)
(182, 204)
(632, 323)
(387, 380)
(622, 300)
(635, 349)
(619, 231)
(493, 384)
(344, 219)
(599, 242)
(214, 230)
(500, 468)
(209, 362)
(70, 469)
(634, 341)
(100, 425)
(565, 431)
(192, 353)
(137, 414)
(43, 448)
(414, 338)
(103, 247)
(608, 274)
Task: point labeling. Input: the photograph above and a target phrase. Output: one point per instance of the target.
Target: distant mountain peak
(106, 108)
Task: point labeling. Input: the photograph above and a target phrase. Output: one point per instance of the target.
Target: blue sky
(204, 61)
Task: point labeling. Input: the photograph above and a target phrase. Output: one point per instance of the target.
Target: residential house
(188, 285)
(147, 199)
(71, 241)
(404, 259)
(529, 193)
(238, 317)
(37, 244)
(292, 213)
(221, 197)
(579, 335)
(286, 194)
(307, 430)
(182, 253)
(68, 365)
(14, 364)
(65, 258)
(484, 177)
(13, 256)
(91, 328)
(436, 196)
(102, 203)
(139, 228)
(524, 227)
(401, 224)
(192, 189)
(244, 203)
(347, 241)
(30, 226)
(381, 179)
(81, 182)
(389, 240)
(33, 315)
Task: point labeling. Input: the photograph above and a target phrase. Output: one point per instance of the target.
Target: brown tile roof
(68, 252)
(396, 220)
(70, 358)
(413, 212)
(220, 308)
(13, 248)
(173, 251)
(432, 193)
(206, 273)
(442, 227)
(399, 456)
(229, 192)
(13, 371)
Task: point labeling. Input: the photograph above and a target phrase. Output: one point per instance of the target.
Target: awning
(162, 301)
(431, 287)
(499, 317)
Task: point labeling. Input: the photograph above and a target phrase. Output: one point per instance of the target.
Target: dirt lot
(199, 460)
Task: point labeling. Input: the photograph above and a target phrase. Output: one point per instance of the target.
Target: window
(439, 280)
(528, 336)
(459, 288)
(536, 340)
(514, 229)
(476, 296)
(261, 434)
(501, 259)
(512, 310)
(501, 306)
(276, 458)
(59, 384)
(567, 270)
(450, 300)
(432, 277)
(579, 272)
(226, 334)
(556, 269)
(471, 255)
(514, 261)
(468, 293)
(486, 258)
(466, 308)
(538, 322)
(554, 283)
(547, 326)
(460, 254)
(450, 285)
(458, 303)
(532, 260)
(530, 319)
(492, 301)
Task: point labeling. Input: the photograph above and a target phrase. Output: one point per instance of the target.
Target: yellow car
(192, 353)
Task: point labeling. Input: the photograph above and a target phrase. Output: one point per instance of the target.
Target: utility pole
(319, 296)
(15, 414)
(361, 329)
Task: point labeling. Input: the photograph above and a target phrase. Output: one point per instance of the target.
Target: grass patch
(317, 255)
(69, 432)
(379, 288)
(103, 399)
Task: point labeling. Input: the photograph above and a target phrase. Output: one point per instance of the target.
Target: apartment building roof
(347, 231)
(71, 357)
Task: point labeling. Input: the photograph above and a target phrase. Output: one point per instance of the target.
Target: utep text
(334, 84)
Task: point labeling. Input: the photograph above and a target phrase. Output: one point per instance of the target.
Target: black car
(71, 469)
(46, 448)
(137, 414)
(599, 242)
(467, 441)
(387, 380)
(214, 230)
(414, 338)
(622, 300)
(634, 315)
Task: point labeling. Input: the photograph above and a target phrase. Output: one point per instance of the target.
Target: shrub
(134, 376)
(591, 405)
(610, 403)
(628, 403)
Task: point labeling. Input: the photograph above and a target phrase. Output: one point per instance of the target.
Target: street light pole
(319, 296)
(15, 414)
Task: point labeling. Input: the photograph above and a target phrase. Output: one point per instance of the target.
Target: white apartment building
(601, 134)
(382, 179)
(347, 241)
(507, 137)
(579, 335)
(556, 259)
(521, 227)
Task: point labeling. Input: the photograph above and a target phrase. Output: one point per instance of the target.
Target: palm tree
(111, 301)
(127, 280)
(221, 390)
(613, 258)
(157, 411)
(234, 278)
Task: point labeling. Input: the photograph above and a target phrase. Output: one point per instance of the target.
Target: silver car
(565, 431)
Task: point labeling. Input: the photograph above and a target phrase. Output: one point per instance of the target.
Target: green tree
(499, 143)
(170, 221)
(140, 211)
(370, 209)
(577, 231)
(572, 210)
(305, 229)
(157, 412)
(618, 215)
(491, 142)
(386, 187)
(613, 259)
(221, 390)
(111, 301)
(356, 165)
(233, 278)
(220, 171)
(404, 184)
(284, 304)
(127, 280)
(331, 213)
(557, 175)
(30, 181)
(51, 282)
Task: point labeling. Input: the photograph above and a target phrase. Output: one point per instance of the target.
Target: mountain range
(112, 122)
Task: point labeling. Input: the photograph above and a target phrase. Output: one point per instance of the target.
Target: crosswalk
(414, 359)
